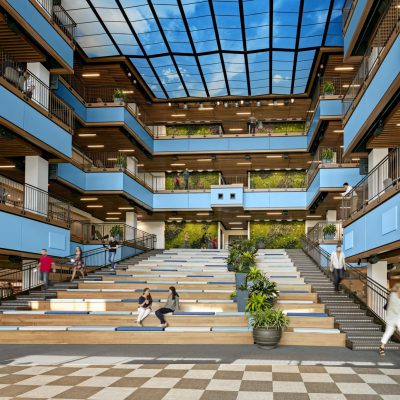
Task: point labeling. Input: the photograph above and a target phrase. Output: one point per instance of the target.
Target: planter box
(240, 278)
(241, 299)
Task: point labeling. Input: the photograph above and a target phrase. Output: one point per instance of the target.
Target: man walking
(186, 176)
(112, 251)
(44, 265)
(338, 266)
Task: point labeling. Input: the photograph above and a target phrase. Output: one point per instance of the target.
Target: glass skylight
(210, 48)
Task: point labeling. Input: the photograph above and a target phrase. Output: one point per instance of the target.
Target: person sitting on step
(171, 305)
(144, 309)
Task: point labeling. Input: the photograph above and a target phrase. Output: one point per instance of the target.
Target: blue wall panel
(351, 27)
(376, 228)
(21, 114)
(388, 71)
(24, 234)
(232, 196)
(39, 24)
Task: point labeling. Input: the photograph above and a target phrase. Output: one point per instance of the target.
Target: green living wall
(175, 232)
(277, 235)
(197, 180)
(185, 130)
(277, 179)
(282, 127)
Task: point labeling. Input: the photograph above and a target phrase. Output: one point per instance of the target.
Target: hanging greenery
(197, 180)
(192, 129)
(277, 179)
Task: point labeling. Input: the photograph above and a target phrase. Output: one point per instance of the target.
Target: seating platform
(102, 309)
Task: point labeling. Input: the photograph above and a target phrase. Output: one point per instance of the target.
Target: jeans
(44, 276)
(143, 313)
(160, 314)
(111, 258)
(338, 275)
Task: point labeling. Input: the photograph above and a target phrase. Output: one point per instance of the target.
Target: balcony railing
(60, 16)
(35, 90)
(388, 26)
(382, 180)
(346, 11)
(34, 200)
(326, 232)
(121, 232)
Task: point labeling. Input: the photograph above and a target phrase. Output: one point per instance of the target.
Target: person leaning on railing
(350, 192)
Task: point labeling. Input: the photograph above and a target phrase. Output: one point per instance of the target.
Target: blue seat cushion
(139, 328)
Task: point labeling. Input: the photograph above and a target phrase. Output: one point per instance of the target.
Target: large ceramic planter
(240, 278)
(241, 299)
(267, 338)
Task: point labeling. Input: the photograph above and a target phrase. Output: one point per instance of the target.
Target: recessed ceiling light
(126, 150)
(87, 134)
(397, 124)
(128, 92)
(243, 113)
(338, 130)
(206, 108)
(112, 159)
(7, 166)
(114, 213)
(140, 165)
(178, 115)
(95, 146)
(204, 159)
(236, 229)
(276, 103)
(344, 68)
(244, 163)
(235, 129)
(126, 208)
(94, 206)
(314, 216)
(243, 216)
(274, 213)
(273, 156)
(89, 198)
(91, 75)
(355, 159)
(177, 165)
(338, 197)
(204, 213)
(112, 219)
(353, 85)
(175, 218)
(235, 223)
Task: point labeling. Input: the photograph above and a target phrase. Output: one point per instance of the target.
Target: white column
(158, 180)
(39, 94)
(156, 228)
(36, 175)
(219, 235)
(375, 182)
(130, 220)
(131, 165)
(377, 272)
(331, 216)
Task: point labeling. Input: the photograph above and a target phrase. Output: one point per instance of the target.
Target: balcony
(382, 183)
(29, 200)
(36, 92)
(59, 16)
(326, 233)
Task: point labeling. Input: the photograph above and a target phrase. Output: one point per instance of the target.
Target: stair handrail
(372, 295)
(63, 267)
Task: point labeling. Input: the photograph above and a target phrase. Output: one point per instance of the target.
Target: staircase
(361, 330)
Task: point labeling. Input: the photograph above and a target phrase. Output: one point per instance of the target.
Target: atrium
(240, 151)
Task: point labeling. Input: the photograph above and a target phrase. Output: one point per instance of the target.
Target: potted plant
(243, 264)
(116, 231)
(327, 155)
(120, 162)
(263, 285)
(232, 257)
(267, 324)
(233, 296)
(328, 88)
(329, 231)
(118, 96)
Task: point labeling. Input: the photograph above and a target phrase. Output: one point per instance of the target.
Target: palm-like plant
(257, 302)
(268, 318)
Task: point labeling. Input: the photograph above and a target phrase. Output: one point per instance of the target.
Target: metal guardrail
(28, 277)
(35, 90)
(326, 231)
(381, 179)
(346, 11)
(388, 25)
(122, 232)
(32, 199)
(369, 293)
(60, 16)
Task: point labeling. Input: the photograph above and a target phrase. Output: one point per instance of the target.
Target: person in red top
(45, 264)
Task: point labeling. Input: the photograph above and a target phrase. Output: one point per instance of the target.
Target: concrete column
(37, 177)
(331, 216)
(158, 180)
(156, 228)
(375, 182)
(377, 272)
(219, 235)
(39, 94)
(130, 220)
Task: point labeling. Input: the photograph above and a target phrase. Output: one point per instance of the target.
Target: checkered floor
(198, 382)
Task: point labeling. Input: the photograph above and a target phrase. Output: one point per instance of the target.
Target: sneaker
(382, 351)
